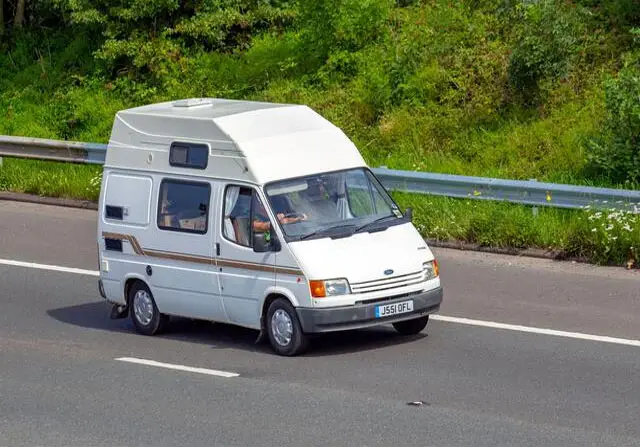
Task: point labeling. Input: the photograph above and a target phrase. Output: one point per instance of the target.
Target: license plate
(387, 310)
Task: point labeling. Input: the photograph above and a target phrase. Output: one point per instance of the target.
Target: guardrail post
(0, 162)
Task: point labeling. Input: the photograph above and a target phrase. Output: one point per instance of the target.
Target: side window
(237, 215)
(259, 217)
(189, 155)
(183, 206)
(244, 214)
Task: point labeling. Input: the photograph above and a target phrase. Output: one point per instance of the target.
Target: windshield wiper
(369, 224)
(324, 230)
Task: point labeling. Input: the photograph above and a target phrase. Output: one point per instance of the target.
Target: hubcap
(281, 327)
(143, 307)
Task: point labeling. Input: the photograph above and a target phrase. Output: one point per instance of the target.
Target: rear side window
(183, 206)
(189, 155)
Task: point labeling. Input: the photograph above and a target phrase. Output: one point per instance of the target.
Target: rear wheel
(411, 327)
(284, 329)
(145, 315)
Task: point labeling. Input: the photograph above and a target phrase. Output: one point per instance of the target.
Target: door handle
(217, 248)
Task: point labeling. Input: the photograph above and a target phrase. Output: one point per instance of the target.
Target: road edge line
(540, 331)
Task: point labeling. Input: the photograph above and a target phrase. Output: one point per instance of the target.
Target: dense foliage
(544, 89)
(510, 88)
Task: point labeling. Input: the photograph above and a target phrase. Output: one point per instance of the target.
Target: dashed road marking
(210, 372)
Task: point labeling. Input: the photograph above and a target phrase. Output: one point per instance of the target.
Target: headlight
(430, 270)
(330, 287)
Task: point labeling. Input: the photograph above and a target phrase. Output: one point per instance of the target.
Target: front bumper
(364, 315)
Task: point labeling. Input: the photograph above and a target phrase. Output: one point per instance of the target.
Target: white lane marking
(457, 320)
(211, 372)
(54, 268)
(535, 330)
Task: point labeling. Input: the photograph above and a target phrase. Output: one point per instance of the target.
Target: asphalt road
(60, 382)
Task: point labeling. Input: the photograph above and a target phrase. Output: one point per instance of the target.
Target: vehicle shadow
(222, 336)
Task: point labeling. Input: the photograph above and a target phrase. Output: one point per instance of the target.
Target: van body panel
(364, 257)
(113, 291)
(244, 275)
(289, 282)
(183, 279)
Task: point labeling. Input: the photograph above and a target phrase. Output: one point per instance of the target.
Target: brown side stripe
(138, 250)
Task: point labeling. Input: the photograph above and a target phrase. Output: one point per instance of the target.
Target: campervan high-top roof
(253, 141)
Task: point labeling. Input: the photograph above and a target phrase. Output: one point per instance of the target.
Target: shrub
(616, 152)
(548, 39)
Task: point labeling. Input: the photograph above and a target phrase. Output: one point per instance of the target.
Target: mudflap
(119, 311)
(262, 336)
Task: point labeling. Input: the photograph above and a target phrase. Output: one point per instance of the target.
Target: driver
(261, 220)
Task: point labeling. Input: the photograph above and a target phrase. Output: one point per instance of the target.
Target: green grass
(49, 179)
(605, 238)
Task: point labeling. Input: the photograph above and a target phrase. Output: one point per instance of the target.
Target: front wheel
(283, 327)
(411, 327)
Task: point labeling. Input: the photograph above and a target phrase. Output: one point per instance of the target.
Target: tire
(411, 327)
(141, 305)
(284, 329)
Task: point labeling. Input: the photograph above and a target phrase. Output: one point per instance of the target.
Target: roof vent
(192, 102)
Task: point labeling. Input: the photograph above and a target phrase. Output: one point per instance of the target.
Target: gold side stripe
(138, 250)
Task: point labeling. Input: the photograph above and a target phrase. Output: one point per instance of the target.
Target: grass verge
(50, 179)
(605, 237)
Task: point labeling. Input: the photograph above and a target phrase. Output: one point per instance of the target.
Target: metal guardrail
(526, 192)
(52, 150)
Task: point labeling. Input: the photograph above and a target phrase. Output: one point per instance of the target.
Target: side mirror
(264, 244)
(260, 244)
(409, 214)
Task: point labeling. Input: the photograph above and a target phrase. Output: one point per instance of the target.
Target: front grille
(389, 298)
(394, 282)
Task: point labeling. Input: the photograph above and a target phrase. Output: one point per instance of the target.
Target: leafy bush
(337, 26)
(149, 38)
(548, 39)
(617, 151)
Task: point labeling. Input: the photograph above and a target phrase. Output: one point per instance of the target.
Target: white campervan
(255, 214)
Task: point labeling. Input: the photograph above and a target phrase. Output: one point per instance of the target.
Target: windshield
(347, 200)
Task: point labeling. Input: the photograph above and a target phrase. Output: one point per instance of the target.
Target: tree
(19, 17)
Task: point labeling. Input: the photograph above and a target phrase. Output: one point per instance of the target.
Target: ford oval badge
(388, 272)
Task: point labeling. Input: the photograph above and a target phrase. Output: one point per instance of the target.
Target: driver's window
(244, 215)
(260, 220)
